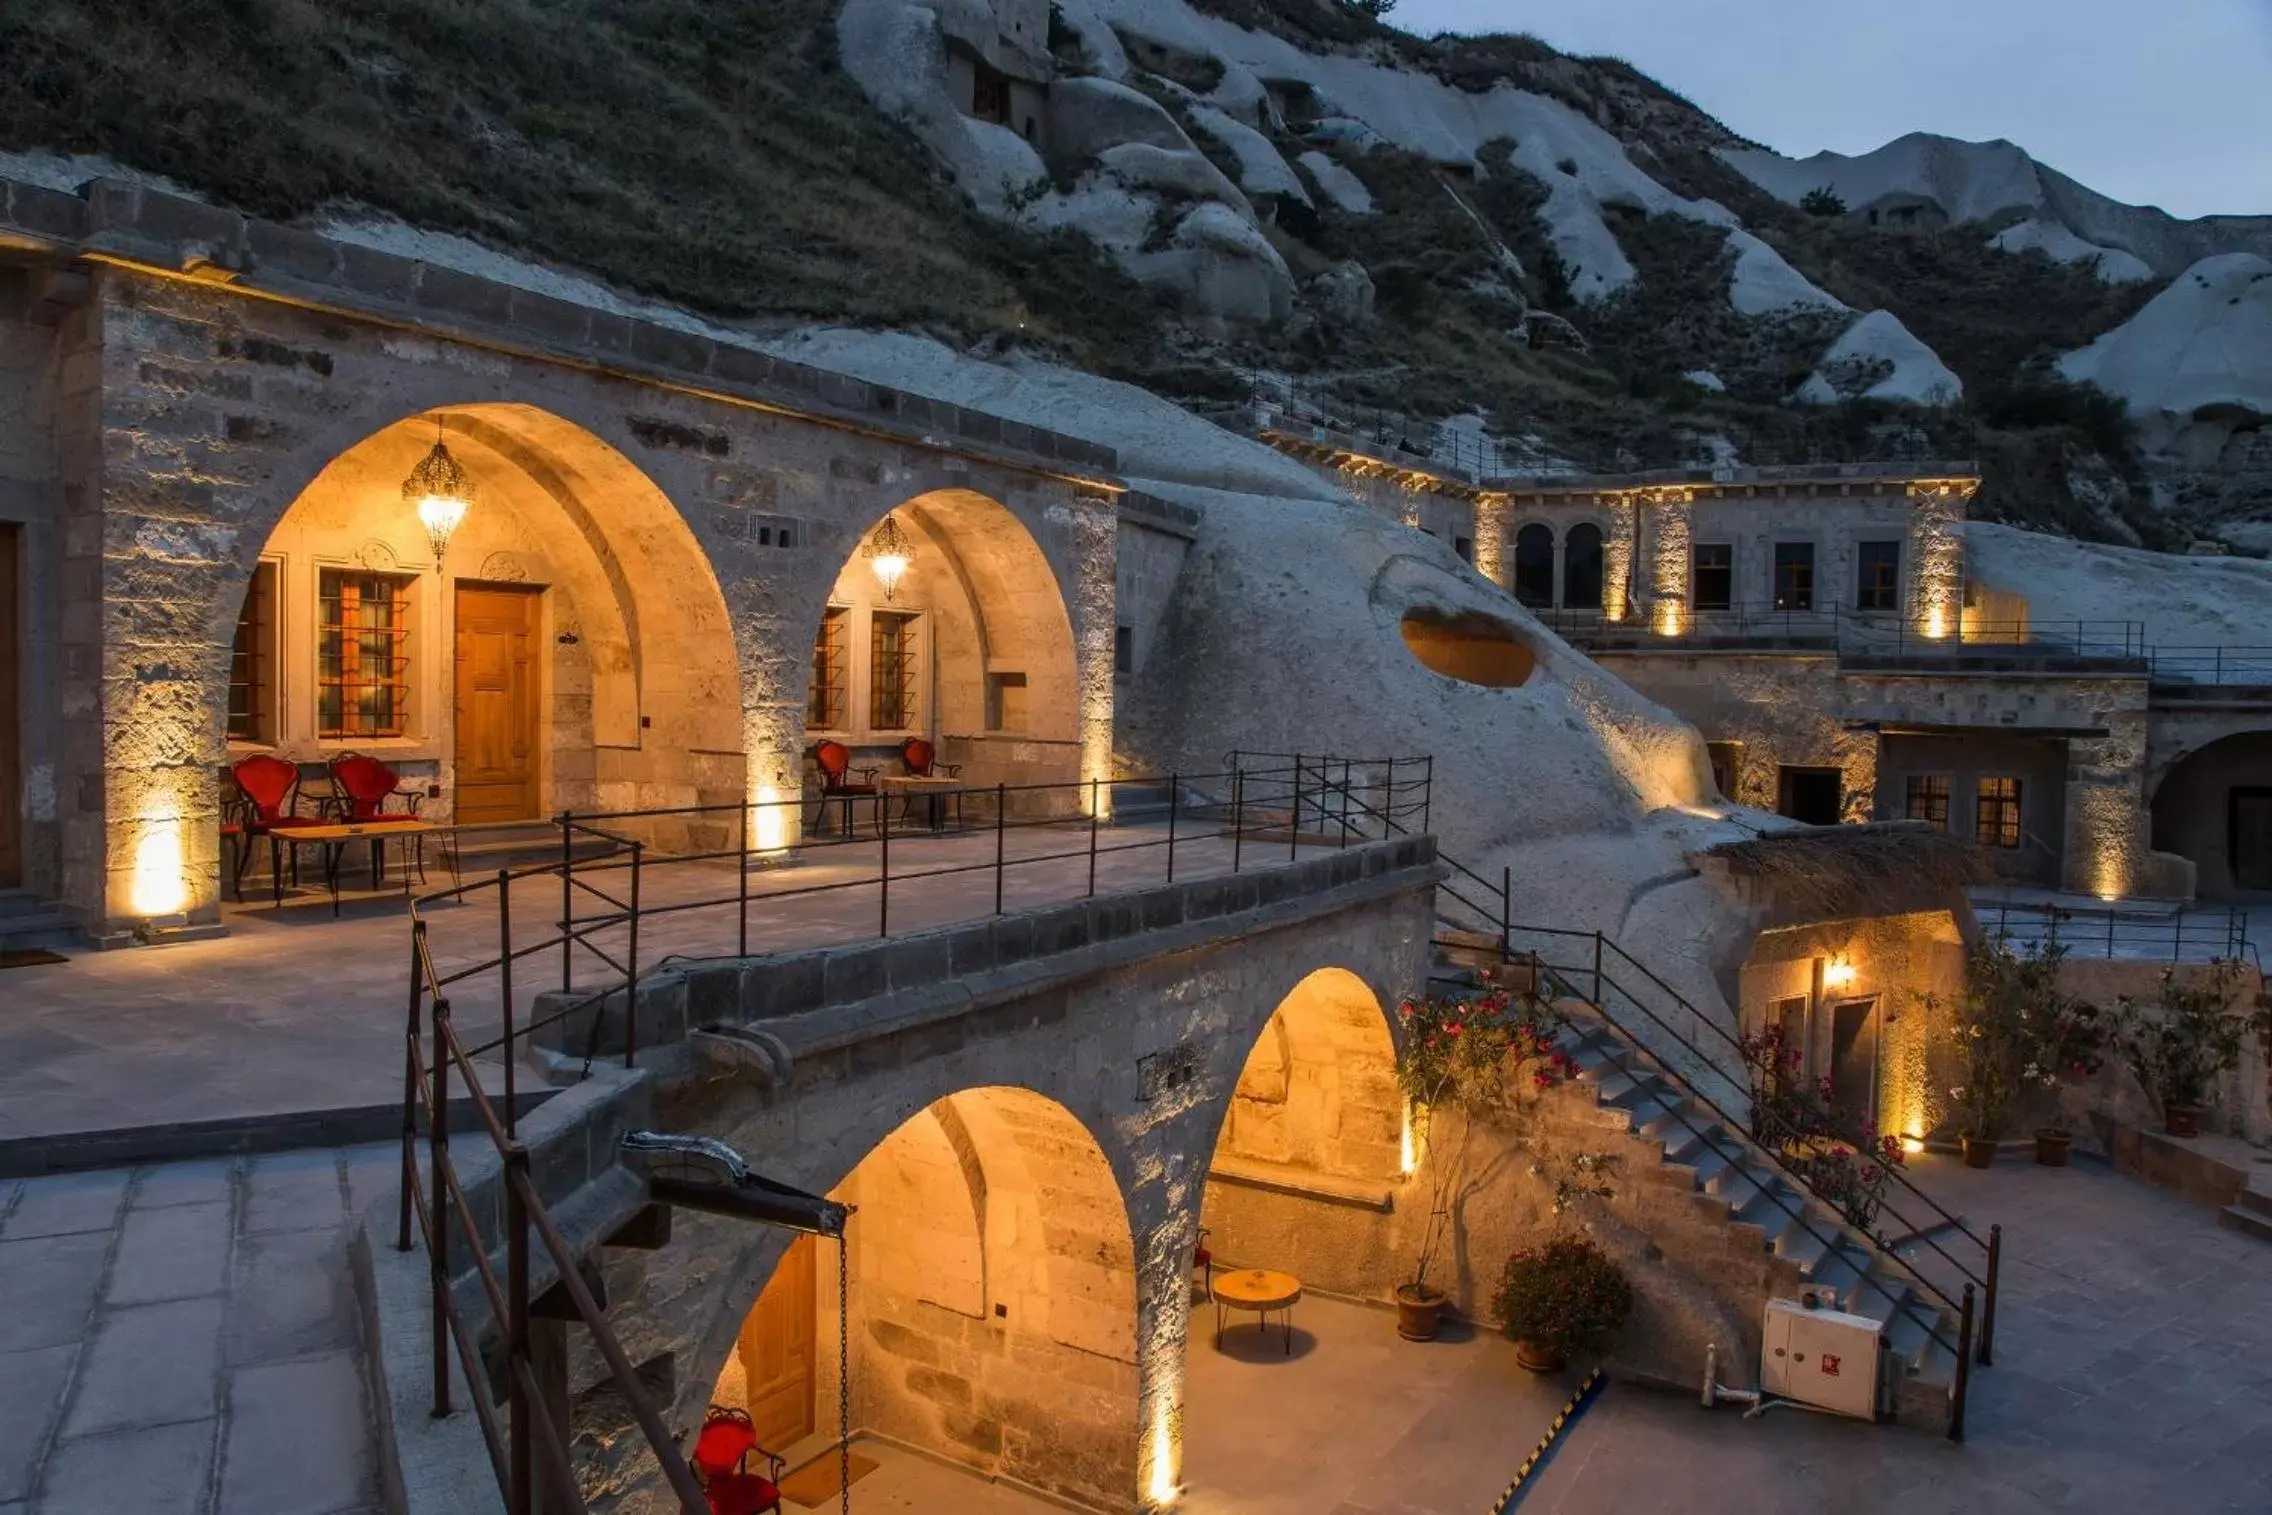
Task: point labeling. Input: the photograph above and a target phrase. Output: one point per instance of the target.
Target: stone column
(1096, 536)
(1668, 559)
(1163, 1333)
(1936, 556)
(774, 652)
(1619, 594)
(2106, 814)
(1491, 557)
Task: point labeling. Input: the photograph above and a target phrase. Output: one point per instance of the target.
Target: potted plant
(2057, 1035)
(1462, 1061)
(1990, 1023)
(1561, 1299)
(2180, 1045)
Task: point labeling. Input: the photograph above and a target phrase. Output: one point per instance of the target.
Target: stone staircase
(1814, 1250)
(2252, 1212)
(27, 922)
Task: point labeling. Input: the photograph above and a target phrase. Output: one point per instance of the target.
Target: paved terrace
(294, 1011)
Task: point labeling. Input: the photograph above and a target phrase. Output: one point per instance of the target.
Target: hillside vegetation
(715, 155)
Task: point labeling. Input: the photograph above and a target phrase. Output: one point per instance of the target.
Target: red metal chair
(834, 760)
(1203, 1264)
(721, 1457)
(265, 803)
(361, 787)
(921, 760)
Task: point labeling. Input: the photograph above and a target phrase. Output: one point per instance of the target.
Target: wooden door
(1854, 1058)
(776, 1349)
(496, 704)
(2251, 839)
(11, 709)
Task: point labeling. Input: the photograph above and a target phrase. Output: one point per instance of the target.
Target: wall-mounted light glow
(889, 552)
(1913, 1144)
(441, 492)
(159, 887)
(1407, 1145)
(1162, 1484)
(1670, 618)
(1838, 973)
(1936, 623)
(769, 821)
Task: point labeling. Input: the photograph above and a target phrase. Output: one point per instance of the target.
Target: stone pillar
(1096, 537)
(1619, 594)
(153, 509)
(1163, 1333)
(1936, 556)
(1492, 559)
(1668, 550)
(2106, 816)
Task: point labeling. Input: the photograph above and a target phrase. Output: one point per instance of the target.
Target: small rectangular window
(1006, 702)
(1123, 651)
(1727, 763)
(1997, 820)
(1928, 799)
(1714, 575)
(891, 671)
(363, 654)
(1465, 547)
(1878, 576)
(252, 662)
(826, 701)
(1794, 575)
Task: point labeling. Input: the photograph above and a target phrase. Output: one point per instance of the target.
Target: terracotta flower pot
(1979, 1151)
(1417, 1310)
(2182, 1119)
(1538, 1359)
(2051, 1147)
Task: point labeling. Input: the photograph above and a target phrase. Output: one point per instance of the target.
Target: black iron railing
(1587, 966)
(608, 871)
(2194, 934)
(1860, 633)
(2226, 666)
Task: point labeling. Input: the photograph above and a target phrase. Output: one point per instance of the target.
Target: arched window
(1581, 568)
(1534, 565)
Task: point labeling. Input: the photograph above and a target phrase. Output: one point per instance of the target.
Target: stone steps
(27, 921)
(1831, 1256)
(2251, 1213)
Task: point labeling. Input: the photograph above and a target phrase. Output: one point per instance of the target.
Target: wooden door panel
(496, 705)
(11, 706)
(777, 1348)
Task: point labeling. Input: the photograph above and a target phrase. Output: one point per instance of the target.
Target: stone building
(1822, 628)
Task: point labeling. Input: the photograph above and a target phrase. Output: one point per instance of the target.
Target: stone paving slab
(296, 1012)
(191, 1346)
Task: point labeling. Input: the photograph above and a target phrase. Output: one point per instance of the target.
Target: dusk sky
(2157, 102)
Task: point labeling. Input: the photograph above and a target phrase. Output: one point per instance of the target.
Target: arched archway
(992, 1293)
(569, 649)
(1534, 565)
(2214, 806)
(972, 649)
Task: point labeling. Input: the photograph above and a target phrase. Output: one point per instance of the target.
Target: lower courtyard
(166, 1320)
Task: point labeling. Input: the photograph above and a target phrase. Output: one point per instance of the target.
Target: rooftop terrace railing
(2194, 934)
(2210, 665)
(1852, 632)
(616, 873)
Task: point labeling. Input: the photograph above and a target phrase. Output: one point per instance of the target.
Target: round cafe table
(1260, 1290)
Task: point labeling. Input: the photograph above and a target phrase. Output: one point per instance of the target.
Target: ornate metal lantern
(441, 491)
(889, 551)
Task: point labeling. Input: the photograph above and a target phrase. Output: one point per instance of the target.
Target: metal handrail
(1604, 947)
(2190, 934)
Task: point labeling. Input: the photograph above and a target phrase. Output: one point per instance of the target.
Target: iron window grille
(363, 654)
(1928, 799)
(891, 671)
(1998, 822)
(252, 661)
(827, 702)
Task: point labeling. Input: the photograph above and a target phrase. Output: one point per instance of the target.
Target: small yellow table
(1260, 1290)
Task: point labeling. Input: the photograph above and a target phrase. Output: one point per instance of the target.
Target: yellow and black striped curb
(1578, 1402)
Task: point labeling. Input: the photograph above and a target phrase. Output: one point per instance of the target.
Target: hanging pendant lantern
(441, 491)
(889, 552)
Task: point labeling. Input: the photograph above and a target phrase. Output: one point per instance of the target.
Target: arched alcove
(568, 649)
(972, 649)
(2215, 807)
(1534, 565)
(992, 1292)
(1584, 567)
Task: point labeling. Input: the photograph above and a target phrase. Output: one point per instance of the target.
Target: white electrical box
(1823, 1358)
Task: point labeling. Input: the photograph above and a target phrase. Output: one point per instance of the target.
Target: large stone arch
(2202, 810)
(1081, 1049)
